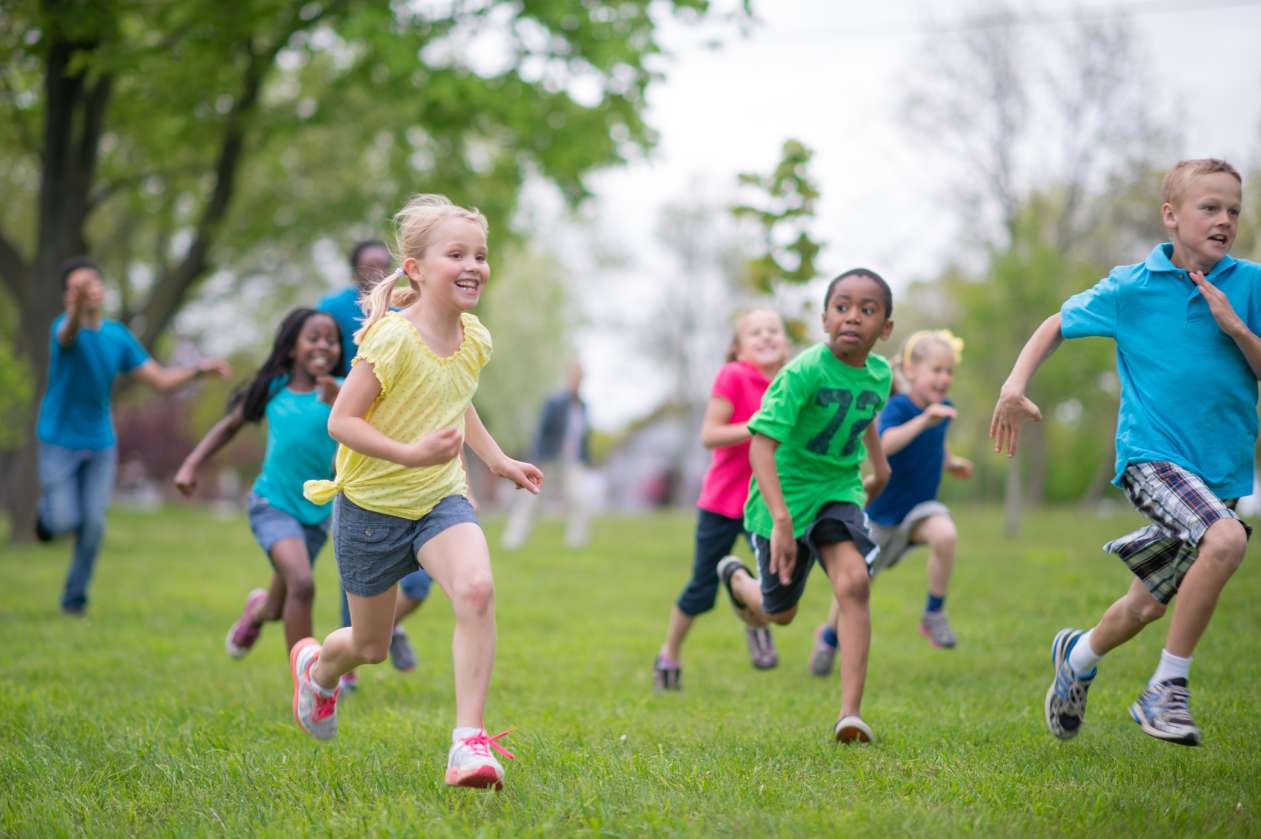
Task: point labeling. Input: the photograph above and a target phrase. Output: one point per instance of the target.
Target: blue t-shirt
(298, 449)
(344, 307)
(75, 410)
(916, 467)
(1188, 395)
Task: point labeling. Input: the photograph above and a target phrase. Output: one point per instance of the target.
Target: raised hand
(938, 413)
(959, 467)
(186, 481)
(214, 367)
(328, 387)
(1010, 413)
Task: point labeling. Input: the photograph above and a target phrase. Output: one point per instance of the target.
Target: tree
(174, 139)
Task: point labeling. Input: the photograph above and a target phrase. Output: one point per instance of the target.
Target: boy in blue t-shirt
(77, 451)
(1185, 322)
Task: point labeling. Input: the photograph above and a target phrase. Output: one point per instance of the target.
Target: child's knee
(943, 536)
(475, 594)
(853, 585)
(301, 587)
(1225, 542)
(783, 618)
(372, 652)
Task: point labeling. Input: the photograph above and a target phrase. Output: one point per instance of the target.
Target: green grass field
(133, 720)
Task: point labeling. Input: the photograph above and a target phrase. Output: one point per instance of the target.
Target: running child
(760, 348)
(294, 390)
(912, 431)
(402, 417)
(1185, 322)
(78, 450)
(810, 437)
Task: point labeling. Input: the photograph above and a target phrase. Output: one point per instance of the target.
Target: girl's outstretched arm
(216, 438)
(875, 483)
(717, 430)
(898, 437)
(525, 475)
(346, 425)
(1013, 406)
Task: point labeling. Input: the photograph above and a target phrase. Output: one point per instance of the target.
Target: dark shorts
(271, 524)
(836, 522)
(1182, 508)
(716, 535)
(374, 551)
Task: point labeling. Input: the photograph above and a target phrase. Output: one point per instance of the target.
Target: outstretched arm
(169, 378)
(1013, 406)
(346, 425)
(527, 476)
(898, 437)
(1228, 321)
(216, 438)
(717, 429)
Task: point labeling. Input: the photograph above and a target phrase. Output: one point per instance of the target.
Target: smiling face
(930, 372)
(1203, 221)
(855, 318)
(318, 350)
(453, 270)
(762, 341)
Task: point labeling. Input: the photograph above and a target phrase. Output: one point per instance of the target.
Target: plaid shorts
(1182, 509)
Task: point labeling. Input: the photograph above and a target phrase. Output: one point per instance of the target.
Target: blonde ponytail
(384, 296)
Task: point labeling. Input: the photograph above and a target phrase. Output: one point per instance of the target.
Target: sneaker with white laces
(761, 647)
(666, 674)
(1065, 707)
(852, 729)
(1163, 711)
(470, 763)
(244, 633)
(402, 656)
(315, 712)
(823, 656)
(936, 628)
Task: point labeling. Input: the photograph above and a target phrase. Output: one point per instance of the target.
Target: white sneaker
(852, 729)
(470, 763)
(316, 713)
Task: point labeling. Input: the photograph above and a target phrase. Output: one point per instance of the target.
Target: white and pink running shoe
(315, 712)
(470, 763)
(245, 631)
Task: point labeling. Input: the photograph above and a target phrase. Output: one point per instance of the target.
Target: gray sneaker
(315, 713)
(1164, 712)
(761, 647)
(1065, 707)
(823, 657)
(935, 626)
(402, 656)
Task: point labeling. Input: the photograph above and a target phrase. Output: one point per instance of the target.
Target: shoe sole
(923, 630)
(483, 777)
(1136, 711)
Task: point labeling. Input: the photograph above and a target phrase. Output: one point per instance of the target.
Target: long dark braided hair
(254, 395)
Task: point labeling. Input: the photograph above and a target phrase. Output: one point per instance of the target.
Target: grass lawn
(134, 721)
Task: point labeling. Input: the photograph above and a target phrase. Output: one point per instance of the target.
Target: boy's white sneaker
(852, 729)
(470, 763)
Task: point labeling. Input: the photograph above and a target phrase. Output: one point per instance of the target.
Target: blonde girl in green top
(810, 437)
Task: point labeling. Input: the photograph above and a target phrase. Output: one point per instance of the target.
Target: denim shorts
(374, 550)
(271, 524)
(835, 522)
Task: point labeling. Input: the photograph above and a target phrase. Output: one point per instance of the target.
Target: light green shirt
(817, 408)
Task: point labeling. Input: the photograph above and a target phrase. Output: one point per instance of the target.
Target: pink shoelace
(481, 743)
(324, 705)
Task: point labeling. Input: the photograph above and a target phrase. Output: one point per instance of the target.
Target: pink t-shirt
(726, 484)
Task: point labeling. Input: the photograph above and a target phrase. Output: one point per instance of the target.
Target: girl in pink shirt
(759, 349)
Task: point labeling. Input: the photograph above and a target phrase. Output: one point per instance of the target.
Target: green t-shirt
(817, 408)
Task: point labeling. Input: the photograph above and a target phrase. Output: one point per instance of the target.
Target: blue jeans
(75, 488)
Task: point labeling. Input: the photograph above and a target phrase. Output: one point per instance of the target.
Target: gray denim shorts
(374, 551)
(271, 524)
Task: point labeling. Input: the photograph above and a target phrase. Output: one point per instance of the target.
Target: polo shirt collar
(1159, 260)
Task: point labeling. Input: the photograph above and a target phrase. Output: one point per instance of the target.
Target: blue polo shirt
(344, 307)
(75, 410)
(916, 466)
(1187, 393)
(298, 448)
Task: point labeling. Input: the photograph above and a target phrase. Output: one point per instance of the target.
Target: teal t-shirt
(75, 410)
(298, 449)
(817, 408)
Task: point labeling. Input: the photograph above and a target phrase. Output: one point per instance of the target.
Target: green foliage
(783, 211)
(133, 722)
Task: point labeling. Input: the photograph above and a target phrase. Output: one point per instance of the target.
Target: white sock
(1171, 667)
(320, 689)
(458, 733)
(1083, 658)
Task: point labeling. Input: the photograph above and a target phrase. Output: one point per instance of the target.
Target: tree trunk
(1034, 444)
(1012, 497)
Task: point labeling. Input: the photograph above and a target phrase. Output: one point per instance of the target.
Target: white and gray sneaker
(470, 763)
(1065, 705)
(1164, 712)
(935, 626)
(402, 656)
(314, 710)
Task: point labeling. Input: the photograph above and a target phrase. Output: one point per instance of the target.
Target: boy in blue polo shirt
(1185, 323)
(77, 451)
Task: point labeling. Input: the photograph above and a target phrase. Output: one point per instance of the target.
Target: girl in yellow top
(402, 418)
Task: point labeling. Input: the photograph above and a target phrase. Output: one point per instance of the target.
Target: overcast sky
(832, 74)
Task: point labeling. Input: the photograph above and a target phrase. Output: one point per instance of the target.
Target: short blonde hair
(1180, 176)
(414, 226)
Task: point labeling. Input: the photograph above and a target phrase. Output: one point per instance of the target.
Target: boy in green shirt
(806, 502)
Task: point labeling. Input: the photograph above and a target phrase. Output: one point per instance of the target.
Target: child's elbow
(336, 428)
